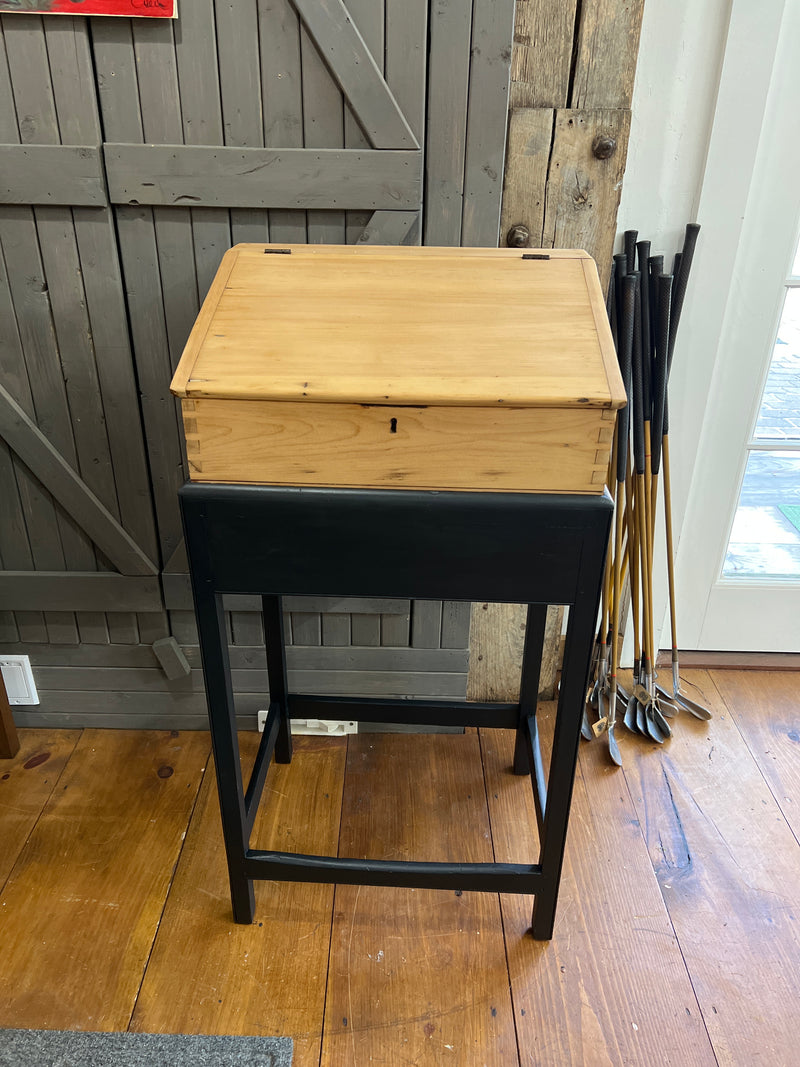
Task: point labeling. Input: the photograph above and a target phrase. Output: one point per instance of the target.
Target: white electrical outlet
(324, 727)
(18, 679)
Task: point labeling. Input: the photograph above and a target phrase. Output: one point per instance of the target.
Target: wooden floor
(676, 942)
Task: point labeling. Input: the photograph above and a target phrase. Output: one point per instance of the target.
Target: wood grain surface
(606, 48)
(542, 56)
(389, 446)
(416, 976)
(773, 738)
(583, 192)
(674, 940)
(530, 133)
(405, 326)
(26, 782)
(91, 881)
(727, 863)
(207, 975)
(497, 640)
(611, 987)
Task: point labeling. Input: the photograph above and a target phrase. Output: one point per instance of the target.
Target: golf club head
(653, 731)
(630, 715)
(593, 695)
(667, 703)
(613, 747)
(697, 710)
(641, 718)
(586, 730)
(660, 722)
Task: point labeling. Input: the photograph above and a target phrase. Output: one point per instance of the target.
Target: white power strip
(323, 727)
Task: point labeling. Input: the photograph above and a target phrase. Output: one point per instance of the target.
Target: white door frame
(749, 189)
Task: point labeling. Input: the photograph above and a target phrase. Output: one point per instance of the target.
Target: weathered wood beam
(540, 65)
(448, 91)
(530, 132)
(69, 175)
(253, 657)
(352, 65)
(497, 641)
(209, 176)
(78, 591)
(584, 182)
(606, 49)
(25, 438)
(389, 228)
(487, 116)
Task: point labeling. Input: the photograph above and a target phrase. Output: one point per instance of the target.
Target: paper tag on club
(642, 695)
(599, 727)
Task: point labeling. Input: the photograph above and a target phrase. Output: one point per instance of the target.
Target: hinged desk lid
(417, 326)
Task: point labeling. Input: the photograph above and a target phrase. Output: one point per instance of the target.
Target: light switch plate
(18, 680)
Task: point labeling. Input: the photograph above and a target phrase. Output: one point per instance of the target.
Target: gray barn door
(78, 550)
(229, 126)
(140, 151)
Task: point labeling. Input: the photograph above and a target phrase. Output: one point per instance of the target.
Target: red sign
(153, 9)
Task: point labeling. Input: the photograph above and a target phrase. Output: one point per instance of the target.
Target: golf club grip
(656, 268)
(643, 255)
(676, 270)
(610, 290)
(643, 248)
(625, 354)
(660, 378)
(682, 280)
(620, 270)
(637, 391)
(611, 302)
(629, 237)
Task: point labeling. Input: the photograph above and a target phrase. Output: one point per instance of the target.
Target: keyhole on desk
(393, 426)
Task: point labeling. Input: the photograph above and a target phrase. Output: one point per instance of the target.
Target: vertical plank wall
(65, 352)
(572, 74)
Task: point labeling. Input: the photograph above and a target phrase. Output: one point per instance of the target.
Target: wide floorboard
(676, 940)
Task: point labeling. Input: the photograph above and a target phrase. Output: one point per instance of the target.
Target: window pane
(765, 540)
(779, 416)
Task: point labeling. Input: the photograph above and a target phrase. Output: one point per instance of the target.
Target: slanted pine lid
(417, 326)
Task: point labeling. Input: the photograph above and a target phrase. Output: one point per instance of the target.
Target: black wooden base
(504, 547)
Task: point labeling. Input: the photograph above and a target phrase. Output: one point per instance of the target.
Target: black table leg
(225, 743)
(529, 682)
(566, 739)
(272, 610)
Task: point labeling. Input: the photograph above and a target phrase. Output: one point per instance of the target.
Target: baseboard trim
(733, 661)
